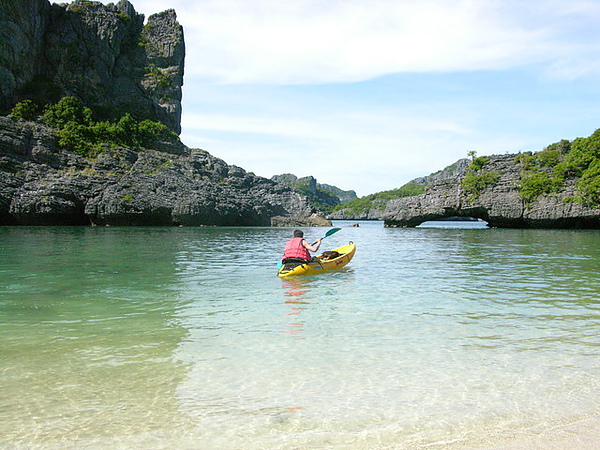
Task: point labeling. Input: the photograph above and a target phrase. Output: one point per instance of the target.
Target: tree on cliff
(77, 131)
(546, 172)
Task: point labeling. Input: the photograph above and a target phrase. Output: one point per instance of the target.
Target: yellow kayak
(325, 262)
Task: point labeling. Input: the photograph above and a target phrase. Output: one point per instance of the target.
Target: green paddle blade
(332, 231)
(329, 233)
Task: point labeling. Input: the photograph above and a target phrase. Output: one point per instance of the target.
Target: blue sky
(369, 94)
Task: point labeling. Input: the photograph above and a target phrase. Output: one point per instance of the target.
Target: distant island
(90, 116)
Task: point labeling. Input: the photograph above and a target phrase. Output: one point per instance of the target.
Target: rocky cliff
(106, 58)
(42, 184)
(102, 54)
(498, 201)
(310, 184)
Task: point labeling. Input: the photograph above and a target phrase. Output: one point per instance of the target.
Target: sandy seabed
(582, 434)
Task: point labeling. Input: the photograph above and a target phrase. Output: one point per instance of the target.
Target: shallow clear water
(185, 338)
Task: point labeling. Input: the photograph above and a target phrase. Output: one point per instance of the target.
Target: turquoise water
(185, 338)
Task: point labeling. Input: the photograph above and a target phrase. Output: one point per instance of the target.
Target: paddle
(329, 233)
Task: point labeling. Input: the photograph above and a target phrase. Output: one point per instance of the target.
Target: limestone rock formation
(102, 54)
(499, 204)
(42, 184)
(311, 184)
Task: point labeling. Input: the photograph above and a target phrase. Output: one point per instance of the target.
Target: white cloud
(371, 150)
(310, 41)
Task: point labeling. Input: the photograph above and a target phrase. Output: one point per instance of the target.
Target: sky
(370, 94)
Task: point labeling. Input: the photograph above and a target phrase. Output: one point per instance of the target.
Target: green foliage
(547, 158)
(474, 184)
(550, 157)
(589, 184)
(545, 172)
(160, 78)
(477, 163)
(74, 136)
(26, 110)
(76, 129)
(408, 190)
(358, 206)
(536, 184)
(321, 199)
(476, 180)
(68, 109)
(583, 152)
(378, 200)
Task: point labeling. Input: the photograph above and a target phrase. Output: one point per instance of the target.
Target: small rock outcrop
(313, 220)
(374, 213)
(499, 203)
(102, 54)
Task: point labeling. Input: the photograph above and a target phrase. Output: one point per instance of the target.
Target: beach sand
(578, 434)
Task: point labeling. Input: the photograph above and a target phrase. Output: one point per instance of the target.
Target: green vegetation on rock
(26, 110)
(546, 172)
(158, 77)
(378, 200)
(77, 131)
(589, 184)
(319, 198)
(476, 179)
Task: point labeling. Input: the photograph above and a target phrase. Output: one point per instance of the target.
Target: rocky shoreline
(42, 184)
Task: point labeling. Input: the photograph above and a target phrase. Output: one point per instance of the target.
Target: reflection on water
(295, 289)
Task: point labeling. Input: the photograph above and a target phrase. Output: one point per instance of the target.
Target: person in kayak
(298, 249)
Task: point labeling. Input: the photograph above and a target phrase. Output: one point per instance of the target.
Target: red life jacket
(295, 249)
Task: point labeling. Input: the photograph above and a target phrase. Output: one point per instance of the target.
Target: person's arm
(312, 248)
